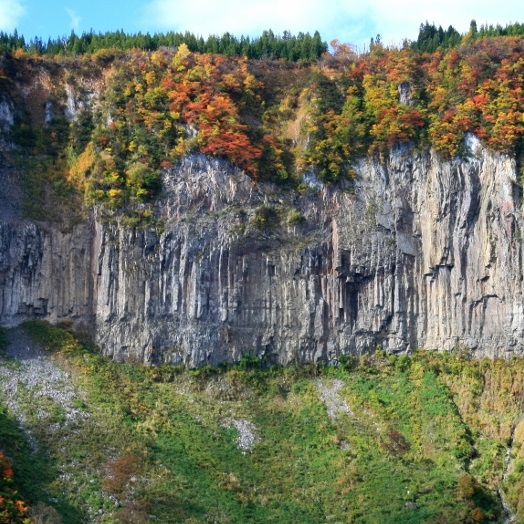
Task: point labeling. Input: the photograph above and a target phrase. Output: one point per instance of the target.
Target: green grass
(159, 442)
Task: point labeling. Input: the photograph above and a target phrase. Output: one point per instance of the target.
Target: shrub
(266, 218)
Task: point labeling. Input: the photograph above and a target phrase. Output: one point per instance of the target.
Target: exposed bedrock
(419, 253)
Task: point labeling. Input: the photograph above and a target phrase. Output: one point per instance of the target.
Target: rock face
(419, 253)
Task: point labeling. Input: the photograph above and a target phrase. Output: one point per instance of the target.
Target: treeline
(497, 30)
(269, 45)
(432, 38)
(293, 48)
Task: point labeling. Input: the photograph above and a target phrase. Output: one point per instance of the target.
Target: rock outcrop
(417, 253)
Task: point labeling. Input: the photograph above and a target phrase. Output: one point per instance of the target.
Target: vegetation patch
(138, 113)
(382, 439)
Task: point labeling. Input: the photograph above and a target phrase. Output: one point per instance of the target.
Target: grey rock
(39, 376)
(7, 118)
(247, 433)
(332, 398)
(421, 253)
(404, 91)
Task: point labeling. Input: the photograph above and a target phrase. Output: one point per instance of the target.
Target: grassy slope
(423, 440)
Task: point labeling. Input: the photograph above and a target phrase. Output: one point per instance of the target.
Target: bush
(295, 218)
(266, 218)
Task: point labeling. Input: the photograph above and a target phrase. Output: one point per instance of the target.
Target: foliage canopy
(275, 119)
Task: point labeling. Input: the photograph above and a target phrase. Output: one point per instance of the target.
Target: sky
(350, 22)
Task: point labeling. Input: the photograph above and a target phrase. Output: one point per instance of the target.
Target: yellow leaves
(445, 138)
(158, 59)
(377, 97)
(150, 78)
(250, 83)
(112, 177)
(137, 174)
(230, 81)
(180, 60)
(154, 97)
(182, 147)
(114, 193)
(19, 53)
(183, 52)
(197, 73)
(208, 70)
(82, 165)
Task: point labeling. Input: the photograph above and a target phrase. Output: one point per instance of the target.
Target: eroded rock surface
(419, 253)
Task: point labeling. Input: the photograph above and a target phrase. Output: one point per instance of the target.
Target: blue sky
(352, 22)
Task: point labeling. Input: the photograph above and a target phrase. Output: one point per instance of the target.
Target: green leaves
(416, 444)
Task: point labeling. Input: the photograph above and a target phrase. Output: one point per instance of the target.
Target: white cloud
(74, 20)
(211, 17)
(353, 22)
(10, 13)
(401, 19)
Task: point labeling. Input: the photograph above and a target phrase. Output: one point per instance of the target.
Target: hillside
(109, 121)
(434, 437)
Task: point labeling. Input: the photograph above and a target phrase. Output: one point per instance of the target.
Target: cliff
(419, 252)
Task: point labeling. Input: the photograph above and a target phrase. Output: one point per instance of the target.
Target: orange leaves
(480, 100)
(6, 470)
(161, 107)
(396, 124)
(388, 96)
(12, 508)
(232, 144)
(179, 96)
(403, 66)
(478, 88)
(201, 97)
(392, 106)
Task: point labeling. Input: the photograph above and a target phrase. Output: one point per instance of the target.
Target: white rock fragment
(247, 433)
(36, 376)
(330, 395)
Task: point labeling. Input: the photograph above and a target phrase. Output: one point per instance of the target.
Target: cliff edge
(419, 252)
